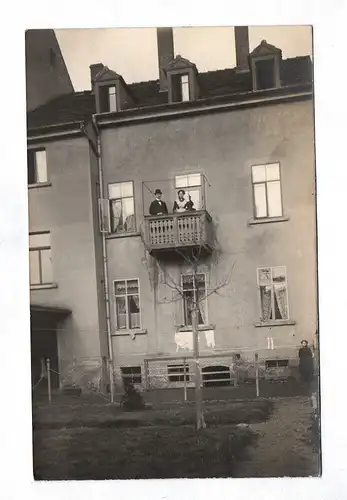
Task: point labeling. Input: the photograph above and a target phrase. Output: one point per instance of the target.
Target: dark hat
(181, 191)
(158, 191)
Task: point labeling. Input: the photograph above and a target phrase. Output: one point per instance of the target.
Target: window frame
(103, 96)
(200, 186)
(121, 233)
(34, 151)
(185, 85)
(267, 217)
(273, 320)
(127, 329)
(184, 306)
(39, 249)
(276, 361)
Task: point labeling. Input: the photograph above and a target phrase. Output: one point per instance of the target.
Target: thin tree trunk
(200, 421)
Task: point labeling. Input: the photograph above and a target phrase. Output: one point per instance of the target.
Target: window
(180, 88)
(176, 373)
(131, 374)
(267, 191)
(272, 284)
(194, 286)
(40, 261)
(276, 363)
(192, 184)
(127, 299)
(37, 166)
(121, 196)
(108, 99)
(265, 73)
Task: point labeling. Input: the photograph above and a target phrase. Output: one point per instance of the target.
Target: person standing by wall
(305, 362)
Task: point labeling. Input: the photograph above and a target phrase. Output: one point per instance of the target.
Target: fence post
(256, 373)
(145, 367)
(48, 362)
(185, 379)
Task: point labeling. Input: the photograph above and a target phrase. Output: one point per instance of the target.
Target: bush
(132, 399)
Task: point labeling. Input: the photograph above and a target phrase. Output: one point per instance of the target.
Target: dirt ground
(284, 447)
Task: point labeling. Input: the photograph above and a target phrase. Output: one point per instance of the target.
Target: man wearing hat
(158, 207)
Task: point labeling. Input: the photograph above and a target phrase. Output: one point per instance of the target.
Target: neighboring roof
(79, 106)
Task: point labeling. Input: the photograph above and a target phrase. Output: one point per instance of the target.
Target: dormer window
(180, 88)
(182, 78)
(265, 73)
(265, 63)
(111, 92)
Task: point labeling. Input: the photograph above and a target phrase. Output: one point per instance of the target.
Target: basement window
(131, 374)
(176, 373)
(276, 363)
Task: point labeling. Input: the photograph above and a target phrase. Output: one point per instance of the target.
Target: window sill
(267, 220)
(201, 328)
(126, 333)
(43, 286)
(265, 324)
(39, 185)
(122, 235)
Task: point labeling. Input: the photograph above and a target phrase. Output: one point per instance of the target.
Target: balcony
(178, 233)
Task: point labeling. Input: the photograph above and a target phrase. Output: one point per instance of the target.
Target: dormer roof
(106, 74)
(265, 49)
(180, 63)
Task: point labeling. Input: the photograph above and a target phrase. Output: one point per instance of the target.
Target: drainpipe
(104, 259)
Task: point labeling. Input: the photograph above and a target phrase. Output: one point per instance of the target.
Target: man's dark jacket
(157, 207)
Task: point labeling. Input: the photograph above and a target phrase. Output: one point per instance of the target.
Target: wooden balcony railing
(179, 231)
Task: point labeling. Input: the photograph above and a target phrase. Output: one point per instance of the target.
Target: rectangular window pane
(31, 167)
(281, 301)
(194, 180)
(112, 99)
(121, 313)
(195, 197)
(279, 274)
(260, 200)
(119, 288)
(274, 199)
(116, 216)
(273, 172)
(39, 240)
(129, 214)
(114, 191)
(266, 302)
(46, 266)
(127, 189)
(34, 266)
(259, 173)
(185, 88)
(181, 181)
(134, 311)
(265, 276)
(132, 286)
(41, 166)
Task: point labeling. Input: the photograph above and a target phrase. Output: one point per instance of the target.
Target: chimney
(94, 70)
(165, 53)
(242, 47)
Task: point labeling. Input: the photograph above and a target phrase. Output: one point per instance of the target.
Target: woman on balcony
(180, 204)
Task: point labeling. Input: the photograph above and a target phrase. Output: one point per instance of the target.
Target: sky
(132, 52)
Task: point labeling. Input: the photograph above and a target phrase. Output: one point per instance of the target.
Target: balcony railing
(179, 231)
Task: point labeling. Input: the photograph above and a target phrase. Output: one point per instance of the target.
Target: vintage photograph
(172, 252)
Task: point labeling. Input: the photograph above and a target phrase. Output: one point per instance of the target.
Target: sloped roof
(106, 74)
(180, 63)
(265, 49)
(80, 106)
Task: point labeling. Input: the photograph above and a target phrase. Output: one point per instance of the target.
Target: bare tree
(194, 259)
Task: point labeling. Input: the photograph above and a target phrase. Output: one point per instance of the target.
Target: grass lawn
(140, 453)
(102, 442)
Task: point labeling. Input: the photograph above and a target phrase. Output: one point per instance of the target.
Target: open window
(265, 64)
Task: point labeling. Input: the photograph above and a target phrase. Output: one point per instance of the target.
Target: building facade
(240, 144)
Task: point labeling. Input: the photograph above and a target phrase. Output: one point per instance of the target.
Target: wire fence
(248, 376)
